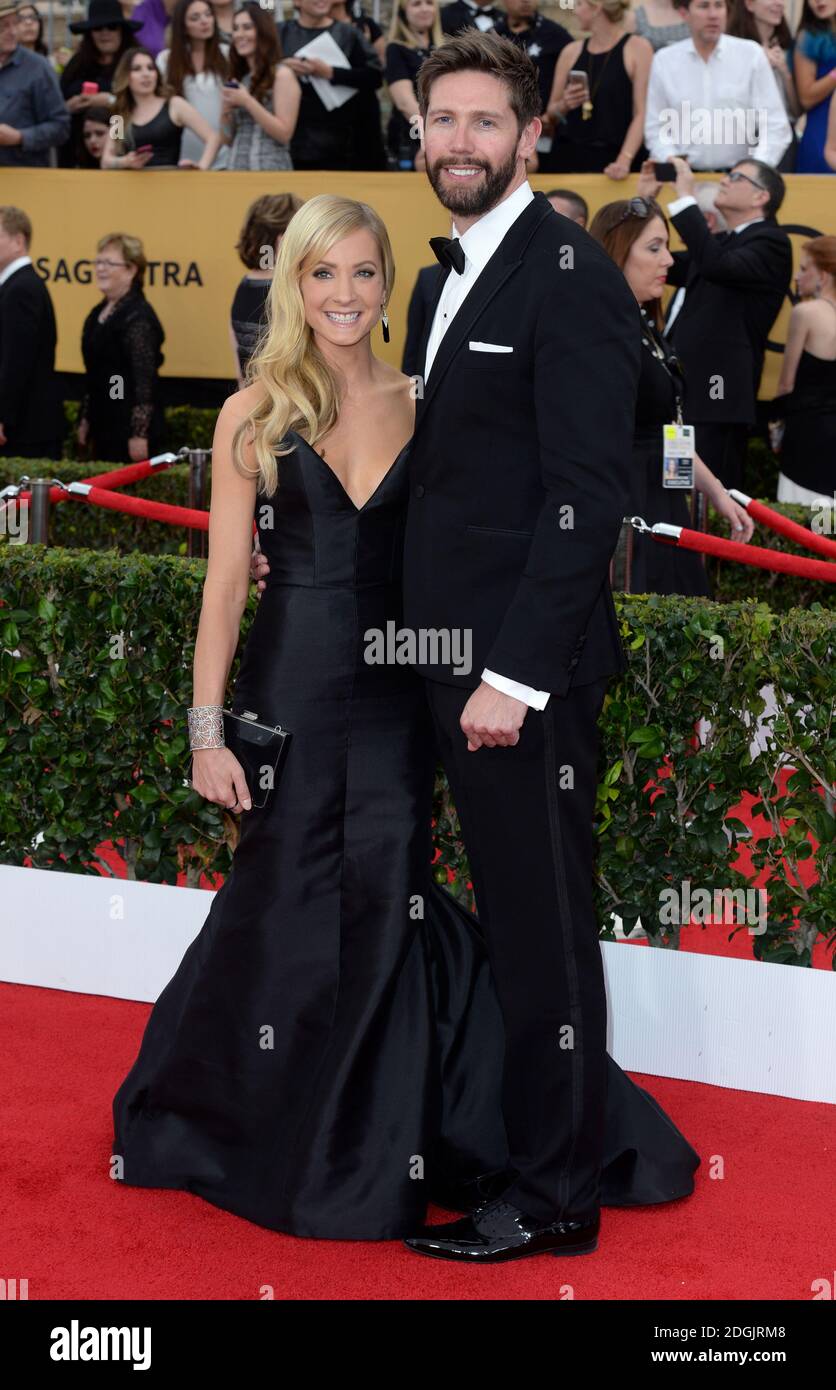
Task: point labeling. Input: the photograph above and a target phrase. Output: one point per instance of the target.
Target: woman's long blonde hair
(300, 391)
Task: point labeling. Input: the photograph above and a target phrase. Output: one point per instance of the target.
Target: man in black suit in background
(31, 410)
(735, 283)
(469, 14)
(541, 38)
(421, 302)
(519, 481)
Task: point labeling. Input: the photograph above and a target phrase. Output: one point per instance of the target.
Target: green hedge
(76, 524)
(95, 678)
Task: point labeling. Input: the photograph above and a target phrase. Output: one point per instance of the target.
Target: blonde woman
(329, 1054)
(598, 122)
(317, 940)
(414, 32)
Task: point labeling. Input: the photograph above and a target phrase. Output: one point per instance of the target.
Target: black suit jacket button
(419, 491)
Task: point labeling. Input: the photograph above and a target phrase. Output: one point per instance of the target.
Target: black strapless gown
(331, 1040)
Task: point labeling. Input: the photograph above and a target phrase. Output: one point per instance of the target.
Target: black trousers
(723, 449)
(526, 818)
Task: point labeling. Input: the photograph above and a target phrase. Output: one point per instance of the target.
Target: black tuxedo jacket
(520, 462)
(735, 286)
(31, 408)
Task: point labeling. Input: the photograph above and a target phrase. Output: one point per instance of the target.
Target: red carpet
(762, 1230)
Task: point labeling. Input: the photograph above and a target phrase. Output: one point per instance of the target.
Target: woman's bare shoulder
(238, 406)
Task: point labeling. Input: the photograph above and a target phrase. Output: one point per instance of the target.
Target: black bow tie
(448, 251)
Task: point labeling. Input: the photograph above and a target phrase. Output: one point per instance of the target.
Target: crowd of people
(221, 87)
(208, 85)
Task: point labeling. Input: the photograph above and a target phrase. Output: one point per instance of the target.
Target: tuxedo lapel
(504, 261)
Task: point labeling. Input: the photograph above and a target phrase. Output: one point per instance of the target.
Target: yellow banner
(190, 221)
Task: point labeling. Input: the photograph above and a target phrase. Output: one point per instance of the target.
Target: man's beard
(467, 201)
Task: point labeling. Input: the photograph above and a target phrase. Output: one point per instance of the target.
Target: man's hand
(259, 568)
(10, 135)
(491, 719)
(686, 184)
(649, 185)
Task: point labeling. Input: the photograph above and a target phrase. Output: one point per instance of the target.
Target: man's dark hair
(473, 51)
(771, 181)
(569, 196)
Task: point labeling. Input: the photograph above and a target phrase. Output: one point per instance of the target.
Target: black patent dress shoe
(472, 1193)
(500, 1231)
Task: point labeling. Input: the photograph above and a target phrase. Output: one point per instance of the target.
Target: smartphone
(665, 173)
(143, 149)
(231, 83)
(578, 75)
(89, 89)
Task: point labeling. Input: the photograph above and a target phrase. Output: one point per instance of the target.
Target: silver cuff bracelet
(206, 728)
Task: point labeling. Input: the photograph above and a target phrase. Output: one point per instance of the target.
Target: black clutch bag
(259, 748)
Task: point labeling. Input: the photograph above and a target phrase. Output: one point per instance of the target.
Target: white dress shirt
(679, 205)
(478, 244)
(733, 86)
(14, 265)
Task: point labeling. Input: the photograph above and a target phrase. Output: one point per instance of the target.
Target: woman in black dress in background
(258, 246)
(599, 128)
(328, 1055)
(121, 341)
(414, 32)
(806, 396)
(634, 233)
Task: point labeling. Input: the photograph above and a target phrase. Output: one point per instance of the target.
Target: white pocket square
(489, 347)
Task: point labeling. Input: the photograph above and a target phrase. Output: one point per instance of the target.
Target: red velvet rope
(140, 506)
(752, 555)
(117, 477)
(101, 494)
(811, 540)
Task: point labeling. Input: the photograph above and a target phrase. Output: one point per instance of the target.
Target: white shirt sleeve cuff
(538, 699)
(680, 204)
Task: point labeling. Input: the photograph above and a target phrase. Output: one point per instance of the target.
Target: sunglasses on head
(636, 207)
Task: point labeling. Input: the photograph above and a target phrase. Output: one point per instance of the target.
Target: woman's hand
(137, 448)
(259, 569)
(574, 95)
(134, 160)
(619, 168)
(218, 776)
(740, 522)
(234, 96)
(775, 57)
(187, 164)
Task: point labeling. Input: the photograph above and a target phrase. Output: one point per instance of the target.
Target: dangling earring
(384, 323)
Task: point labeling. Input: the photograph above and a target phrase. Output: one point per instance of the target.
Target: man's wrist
(685, 200)
(537, 699)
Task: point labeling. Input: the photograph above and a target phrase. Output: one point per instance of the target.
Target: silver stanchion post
(38, 529)
(699, 516)
(198, 541)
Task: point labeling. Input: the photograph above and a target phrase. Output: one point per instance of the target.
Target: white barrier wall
(735, 1023)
